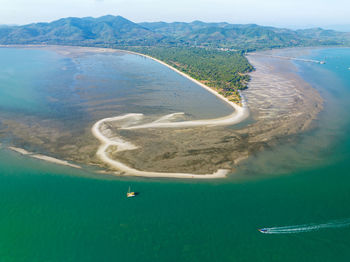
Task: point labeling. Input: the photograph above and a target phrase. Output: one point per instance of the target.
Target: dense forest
(117, 31)
(224, 71)
(248, 37)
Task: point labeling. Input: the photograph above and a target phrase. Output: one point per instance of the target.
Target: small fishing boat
(263, 230)
(130, 193)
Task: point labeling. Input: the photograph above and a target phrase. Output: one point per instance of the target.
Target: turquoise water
(49, 101)
(46, 84)
(53, 213)
(23, 93)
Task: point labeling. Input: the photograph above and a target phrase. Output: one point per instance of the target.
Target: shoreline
(112, 50)
(278, 101)
(239, 114)
(211, 90)
(284, 103)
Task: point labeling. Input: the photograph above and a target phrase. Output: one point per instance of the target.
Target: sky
(283, 13)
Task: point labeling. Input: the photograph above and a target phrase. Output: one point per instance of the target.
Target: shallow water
(50, 100)
(327, 142)
(53, 213)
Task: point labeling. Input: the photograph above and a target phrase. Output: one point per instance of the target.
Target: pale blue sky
(290, 13)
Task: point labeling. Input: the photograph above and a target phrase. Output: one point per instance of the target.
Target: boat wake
(306, 227)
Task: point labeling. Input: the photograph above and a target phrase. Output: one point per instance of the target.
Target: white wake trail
(306, 227)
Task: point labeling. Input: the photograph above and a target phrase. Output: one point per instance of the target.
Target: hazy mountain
(179, 28)
(341, 28)
(248, 36)
(88, 30)
(116, 31)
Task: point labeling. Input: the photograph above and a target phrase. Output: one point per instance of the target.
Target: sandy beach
(239, 114)
(281, 105)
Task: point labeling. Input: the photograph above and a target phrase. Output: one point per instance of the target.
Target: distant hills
(106, 30)
(116, 31)
(249, 36)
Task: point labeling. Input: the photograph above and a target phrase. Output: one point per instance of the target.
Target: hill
(116, 31)
(243, 37)
(104, 30)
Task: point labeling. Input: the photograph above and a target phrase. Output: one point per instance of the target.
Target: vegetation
(116, 31)
(209, 52)
(244, 37)
(103, 31)
(226, 72)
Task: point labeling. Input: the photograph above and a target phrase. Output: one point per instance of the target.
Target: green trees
(224, 71)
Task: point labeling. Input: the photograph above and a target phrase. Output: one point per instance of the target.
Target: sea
(297, 191)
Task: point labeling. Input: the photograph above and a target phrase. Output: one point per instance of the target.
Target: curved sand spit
(239, 114)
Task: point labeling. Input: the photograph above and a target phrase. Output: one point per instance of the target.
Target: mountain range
(116, 31)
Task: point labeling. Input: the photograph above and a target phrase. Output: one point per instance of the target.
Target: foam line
(306, 227)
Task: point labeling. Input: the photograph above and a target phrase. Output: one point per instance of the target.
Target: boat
(130, 193)
(263, 230)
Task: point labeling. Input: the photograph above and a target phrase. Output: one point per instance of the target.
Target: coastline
(240, 113)
(279, 102)
(211, 90)
(292, 106)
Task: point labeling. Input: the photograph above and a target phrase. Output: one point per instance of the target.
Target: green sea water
(54, 213)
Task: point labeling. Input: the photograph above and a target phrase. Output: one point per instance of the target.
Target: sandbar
(43, 157)
(239, 114)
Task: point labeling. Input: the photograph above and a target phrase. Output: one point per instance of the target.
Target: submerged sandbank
(176, 145)
(240, 113)
(124, 146)
(43, 157)
(281, 104)
(292, 105)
